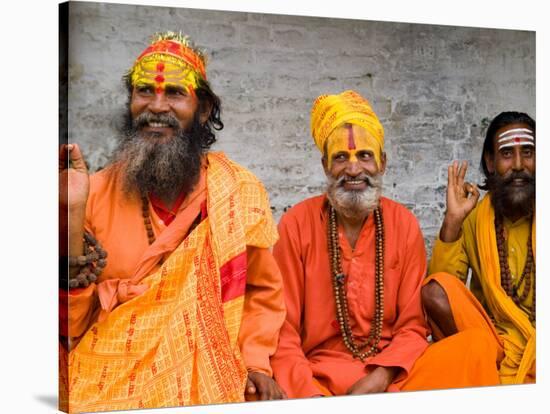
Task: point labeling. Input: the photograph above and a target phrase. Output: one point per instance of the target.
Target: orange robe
(311, 358)
(310, 344)
(117, 223)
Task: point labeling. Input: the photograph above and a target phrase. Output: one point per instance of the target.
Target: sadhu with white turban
(353, 263)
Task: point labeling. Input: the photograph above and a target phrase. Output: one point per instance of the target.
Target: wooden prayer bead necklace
(528, 275)
(340, 296)
(91, 263)
(147, 219)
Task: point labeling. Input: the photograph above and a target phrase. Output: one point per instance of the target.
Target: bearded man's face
(512, 168)
(160, 149)
(354, 167)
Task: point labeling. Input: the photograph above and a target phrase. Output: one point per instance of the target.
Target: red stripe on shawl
(233, 277)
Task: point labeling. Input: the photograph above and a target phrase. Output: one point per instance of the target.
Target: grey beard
(355, 203)
(163, 168)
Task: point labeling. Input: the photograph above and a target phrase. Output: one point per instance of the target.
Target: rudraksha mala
(91, 263)
(527, 278)
(339, 282)
(147, 219)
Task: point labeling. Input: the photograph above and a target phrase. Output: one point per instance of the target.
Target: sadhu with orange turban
(353, 263)
(173, 297)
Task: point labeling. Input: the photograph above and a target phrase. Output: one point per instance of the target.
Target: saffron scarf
(175, 344)
(513, 325)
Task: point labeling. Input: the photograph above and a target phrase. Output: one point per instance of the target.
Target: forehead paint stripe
(520, 143)
(518, 136)
(351, 141)
(159, 78)
(514, 131)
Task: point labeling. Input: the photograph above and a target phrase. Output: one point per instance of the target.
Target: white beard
(354, 203)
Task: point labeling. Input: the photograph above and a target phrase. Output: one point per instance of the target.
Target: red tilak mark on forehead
(191, 91)
(516, 139)
(351, 141)
(159, 78)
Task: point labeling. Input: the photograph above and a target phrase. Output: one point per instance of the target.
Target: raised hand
(74, 186)
(74, 183)
(462, 198)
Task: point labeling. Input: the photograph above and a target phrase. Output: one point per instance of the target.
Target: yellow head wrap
(331, 111)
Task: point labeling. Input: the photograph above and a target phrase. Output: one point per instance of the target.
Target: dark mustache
(147, 117)
(518, 175)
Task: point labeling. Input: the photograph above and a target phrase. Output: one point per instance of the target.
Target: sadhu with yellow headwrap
(172, 296)
(495, 238)
(353, 263)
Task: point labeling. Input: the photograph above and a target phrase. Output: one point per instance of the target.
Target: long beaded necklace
(527, 277)
(147, 219)
(338, 284)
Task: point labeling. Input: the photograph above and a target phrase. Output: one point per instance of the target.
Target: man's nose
(353, 168)
(517, 164)
(159, 103)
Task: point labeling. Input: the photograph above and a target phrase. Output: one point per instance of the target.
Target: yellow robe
(476, 249)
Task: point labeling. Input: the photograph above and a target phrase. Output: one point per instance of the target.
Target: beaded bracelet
(91, 263)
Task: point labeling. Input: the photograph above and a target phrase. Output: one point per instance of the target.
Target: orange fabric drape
(518, 336)
(311, 346)
(177, 343)
(476, 249)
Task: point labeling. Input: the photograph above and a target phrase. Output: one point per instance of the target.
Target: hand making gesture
(74, 186)
(462, 197)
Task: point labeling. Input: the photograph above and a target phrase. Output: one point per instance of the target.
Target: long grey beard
(355, 203)
(162, 168)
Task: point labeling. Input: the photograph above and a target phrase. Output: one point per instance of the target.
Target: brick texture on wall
(434, 89)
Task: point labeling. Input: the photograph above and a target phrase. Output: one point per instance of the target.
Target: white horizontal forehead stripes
(511, 144)
(516, 131)
(516, 136)
(512, 137)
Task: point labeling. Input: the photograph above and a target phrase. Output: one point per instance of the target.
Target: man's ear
(382, 163)
(205, 108)
(489, 162)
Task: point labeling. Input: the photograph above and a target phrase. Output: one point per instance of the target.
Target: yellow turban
(331, 111)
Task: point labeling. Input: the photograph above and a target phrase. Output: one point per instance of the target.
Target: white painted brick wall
(433, 87)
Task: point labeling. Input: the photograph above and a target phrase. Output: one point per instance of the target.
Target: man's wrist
(451, 228)
(388, 373)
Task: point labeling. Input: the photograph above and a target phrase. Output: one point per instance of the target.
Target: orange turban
(331, 111)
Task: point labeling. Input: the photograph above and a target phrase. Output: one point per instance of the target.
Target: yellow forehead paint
(351, 139)
(164, 70)
(170, 60)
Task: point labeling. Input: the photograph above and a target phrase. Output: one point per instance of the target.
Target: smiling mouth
(158, 125)
(518, 182)
(355, 184)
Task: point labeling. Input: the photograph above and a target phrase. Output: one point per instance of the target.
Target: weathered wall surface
(433, 87)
